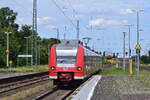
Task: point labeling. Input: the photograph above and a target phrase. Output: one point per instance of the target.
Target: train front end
(66, 63)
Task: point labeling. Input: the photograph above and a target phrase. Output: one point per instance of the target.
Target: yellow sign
(7, 51)
(138, 47)
(10, 62)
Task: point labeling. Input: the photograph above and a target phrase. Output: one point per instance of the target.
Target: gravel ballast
(122, 87)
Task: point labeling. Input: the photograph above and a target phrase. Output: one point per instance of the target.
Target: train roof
(68, 44)
(72, 44)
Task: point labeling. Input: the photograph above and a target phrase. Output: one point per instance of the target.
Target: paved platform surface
(7, 75)
(85, 91)
(122, 88)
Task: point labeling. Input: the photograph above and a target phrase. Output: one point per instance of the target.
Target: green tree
(24, 32)
(45, 49)
(14, 45)
(145, 59)
(24, 35)
(7, 18)
(7, 24)
(17, 39)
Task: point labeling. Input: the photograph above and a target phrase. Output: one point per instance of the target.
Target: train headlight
(52, 68)
(79, 68)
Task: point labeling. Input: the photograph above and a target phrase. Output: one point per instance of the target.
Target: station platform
(114, 87)
(8, 75)
(86, 91)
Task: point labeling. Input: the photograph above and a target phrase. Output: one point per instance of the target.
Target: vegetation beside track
(120, 71)
(29, 92)
(106, 62)
(113, 71)
(25, 69)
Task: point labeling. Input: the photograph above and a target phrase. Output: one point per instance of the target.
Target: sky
(102, 20)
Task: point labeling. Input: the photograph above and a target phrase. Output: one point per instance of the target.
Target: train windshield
(66, 58)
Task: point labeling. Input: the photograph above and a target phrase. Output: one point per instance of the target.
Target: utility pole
(138, 44)
(65, 32)
(57, 33)
(124, 34)
(7, 51)
(34, 34)
(78, 29)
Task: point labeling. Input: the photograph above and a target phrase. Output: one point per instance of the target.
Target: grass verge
(25, 69)
(29, 92)
(120, 71)
(114, 71)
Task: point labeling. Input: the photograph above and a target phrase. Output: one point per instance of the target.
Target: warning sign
(138, 47)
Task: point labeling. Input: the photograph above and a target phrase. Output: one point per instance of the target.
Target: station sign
(24, 55)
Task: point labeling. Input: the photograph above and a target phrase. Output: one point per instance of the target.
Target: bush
(145, 59)
(106, 62)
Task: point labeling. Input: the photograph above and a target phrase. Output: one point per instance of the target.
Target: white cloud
(76, 17)
(44, 19)
(115, 22)
(126, 11)
(51, 27)
(96, 22)
(105, 23)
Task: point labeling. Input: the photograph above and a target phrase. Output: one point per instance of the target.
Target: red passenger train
(71, 62)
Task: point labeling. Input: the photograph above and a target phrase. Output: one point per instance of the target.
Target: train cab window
(66, 61)
(66, 58)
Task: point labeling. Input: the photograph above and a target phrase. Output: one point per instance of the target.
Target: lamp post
(138, 44)
(124, 34)
(27, 47)
(7, 51)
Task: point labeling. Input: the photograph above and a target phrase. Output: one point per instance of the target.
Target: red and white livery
(70, 61)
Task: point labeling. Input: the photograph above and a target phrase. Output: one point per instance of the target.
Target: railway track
(58, 93)
(19, 83)
(55, 93)
(8, 86)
